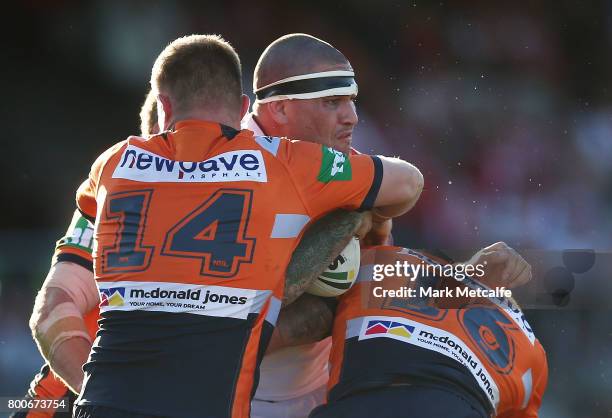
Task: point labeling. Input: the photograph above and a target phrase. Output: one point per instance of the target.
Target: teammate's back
(413, 336)
(204, 240)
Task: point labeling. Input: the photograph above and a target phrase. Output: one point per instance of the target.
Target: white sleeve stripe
(269, 143)
(288, 225)
(273, 310)
(527, 387)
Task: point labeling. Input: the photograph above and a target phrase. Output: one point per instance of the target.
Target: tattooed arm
(307, 320)
(321, 243)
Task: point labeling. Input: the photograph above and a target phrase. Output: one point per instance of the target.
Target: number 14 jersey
(194, 230)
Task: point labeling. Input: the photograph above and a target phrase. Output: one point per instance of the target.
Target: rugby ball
(340, 275)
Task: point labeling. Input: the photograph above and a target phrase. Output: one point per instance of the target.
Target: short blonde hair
(148, 115)
(199, 71)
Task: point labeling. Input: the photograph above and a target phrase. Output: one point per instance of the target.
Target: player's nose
(348, 113)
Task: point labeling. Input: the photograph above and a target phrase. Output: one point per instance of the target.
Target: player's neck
(208, 116)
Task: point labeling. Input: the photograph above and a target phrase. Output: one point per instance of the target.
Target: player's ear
(246, 103)
(164, 111)
(278, 111)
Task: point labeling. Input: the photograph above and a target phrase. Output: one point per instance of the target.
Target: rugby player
(69, 281)
(397, 355)
(310, 95)
(170, 237)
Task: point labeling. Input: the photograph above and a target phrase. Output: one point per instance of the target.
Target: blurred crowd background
(505, 106)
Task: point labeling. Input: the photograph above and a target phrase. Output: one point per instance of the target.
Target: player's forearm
(61, 335)
(321, 243)
(309, 319)
(67, 362)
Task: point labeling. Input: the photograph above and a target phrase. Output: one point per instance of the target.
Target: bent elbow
(401, 188)
(34, 325)
(36, 316)
(418, 182)
(412, 186)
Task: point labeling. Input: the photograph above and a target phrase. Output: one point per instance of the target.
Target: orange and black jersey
(194, 229)
(481, 348)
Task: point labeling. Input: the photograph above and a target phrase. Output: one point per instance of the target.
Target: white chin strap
(309, 86)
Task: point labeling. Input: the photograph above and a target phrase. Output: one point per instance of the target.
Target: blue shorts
(96, 411)
(409, 401)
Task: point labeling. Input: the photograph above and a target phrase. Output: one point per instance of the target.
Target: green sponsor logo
(335, 166)
(79, 235)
